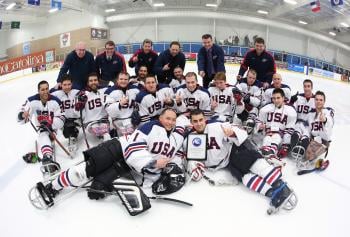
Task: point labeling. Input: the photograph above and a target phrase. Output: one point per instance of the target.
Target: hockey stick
(52, 135)
(171, 200)
(83, 128)
(322, 167)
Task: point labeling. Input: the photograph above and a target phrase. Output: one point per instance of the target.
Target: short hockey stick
(53, 136)
(322, 167)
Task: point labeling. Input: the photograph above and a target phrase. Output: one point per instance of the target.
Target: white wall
(191, 29)
(60, 22)
(134, 31)
(3, 42)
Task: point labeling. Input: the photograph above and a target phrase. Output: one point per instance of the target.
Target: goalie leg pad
(171, 180)
(101, 157)
(103, 182)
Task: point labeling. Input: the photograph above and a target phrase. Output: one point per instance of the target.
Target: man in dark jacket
(167, 61)
(144, 57)
(79, 64)
(261, 61)
(210, 60)
(109, 64)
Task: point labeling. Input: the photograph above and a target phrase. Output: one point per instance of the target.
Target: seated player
(276, 83)
(122, 104)
(67, 96)
(192, 96)
(321, 121)
(223, 102)
(178, 80)
(139, 81)
(91, 104)
(252, 95)
(48, 116)
(228, 147)
(153, 99)
(303, 104)
(277, 120)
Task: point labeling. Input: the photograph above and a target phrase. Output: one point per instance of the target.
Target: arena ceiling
(328, 19)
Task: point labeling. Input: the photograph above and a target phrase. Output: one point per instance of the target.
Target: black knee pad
(242, 161)
(103, 156)
(171, 180)
(70, 128)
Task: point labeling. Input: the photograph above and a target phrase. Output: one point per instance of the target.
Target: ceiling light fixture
(10, 6)
(211, 5)
(262, 12)
(292, 2)
(161, 4)
(303, 22)
(332, 33)
(110, 10)
(344, 24)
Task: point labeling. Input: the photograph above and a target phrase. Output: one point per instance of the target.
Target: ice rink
(324, 198)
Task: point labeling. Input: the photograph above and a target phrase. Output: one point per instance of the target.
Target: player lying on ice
(228, 147)
(151, 151)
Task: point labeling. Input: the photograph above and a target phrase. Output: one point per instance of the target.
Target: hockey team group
(144, 126)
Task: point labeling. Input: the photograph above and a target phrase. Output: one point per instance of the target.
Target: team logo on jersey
(196, 141)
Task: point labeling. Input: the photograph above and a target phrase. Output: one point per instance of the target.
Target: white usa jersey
(268, 94)
(68, 102)
(115, 109)
(151, 142)
(51, 110)
(254, 91)
(174, 83)
(278, 120)
(321, 129)
(219, 145)
(151, 105)
(224, 100)
(303, 106)
(95, 107)
(197, 99)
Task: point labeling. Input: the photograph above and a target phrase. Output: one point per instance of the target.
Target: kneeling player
(228, 147)
(49, 117)
(321, 120)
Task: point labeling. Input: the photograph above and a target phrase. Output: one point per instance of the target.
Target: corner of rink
(323, 208)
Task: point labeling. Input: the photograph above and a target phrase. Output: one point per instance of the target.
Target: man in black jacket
(261, 61)
(109, 64)
(144, 57)
(167, 61)
(210, 60)
(79, 64)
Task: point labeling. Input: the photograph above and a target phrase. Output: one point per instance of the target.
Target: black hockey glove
(294, 98)
(246, 99)
(45, 126)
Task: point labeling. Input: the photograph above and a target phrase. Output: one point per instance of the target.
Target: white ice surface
(323, 209)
